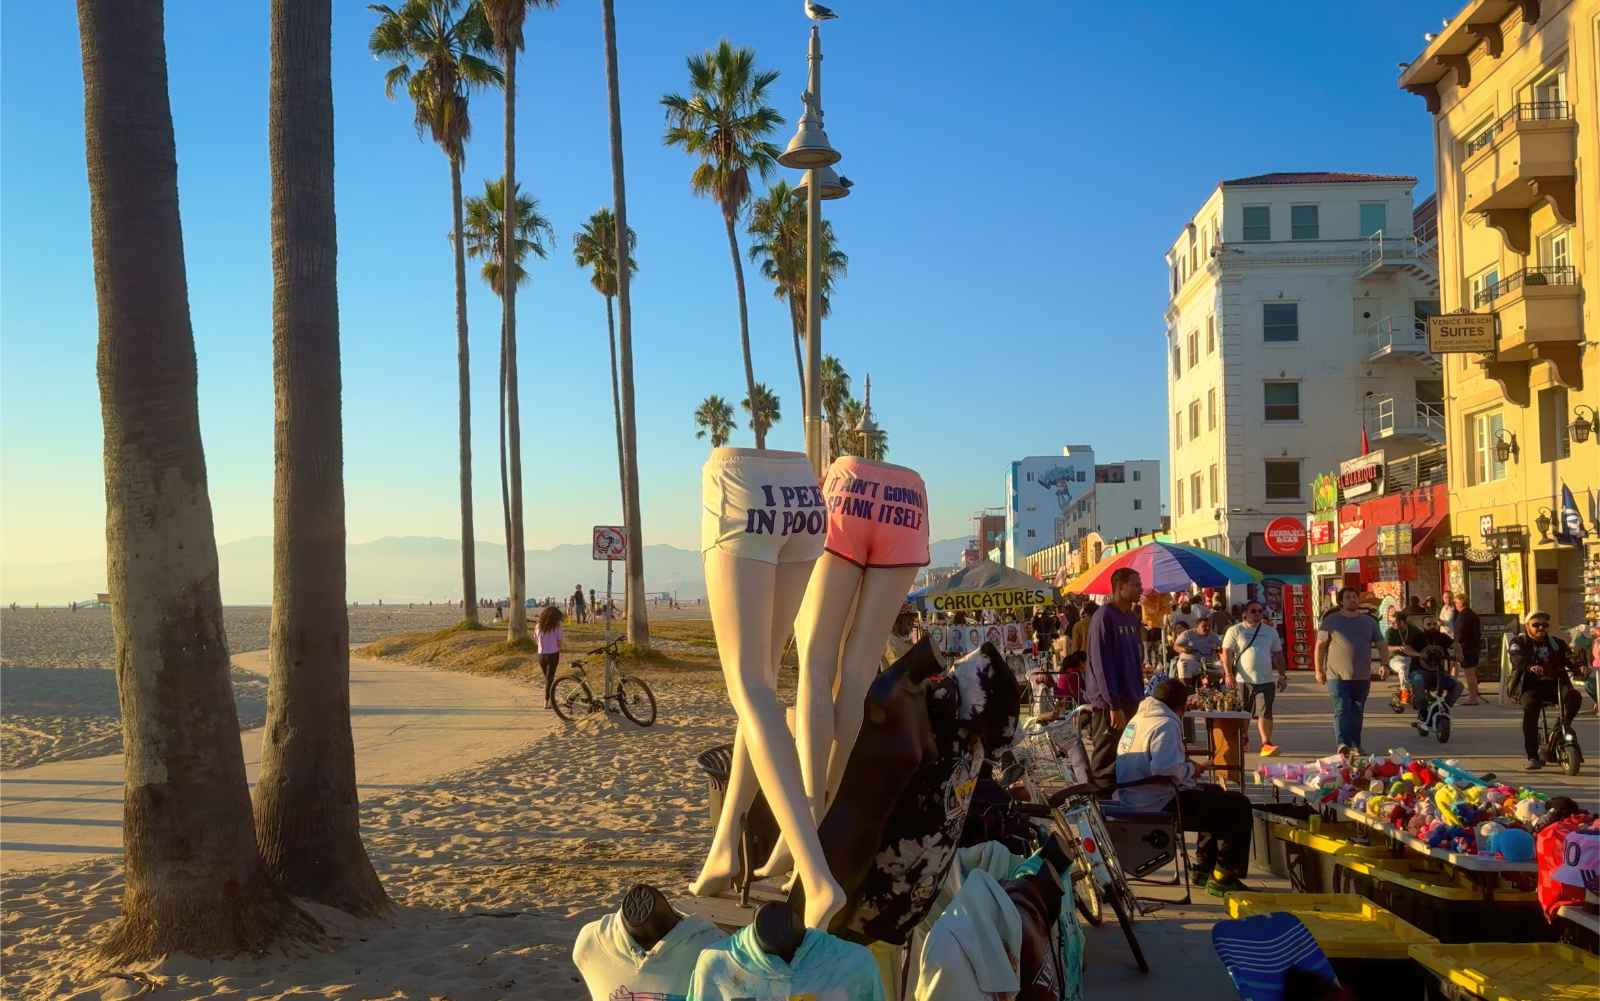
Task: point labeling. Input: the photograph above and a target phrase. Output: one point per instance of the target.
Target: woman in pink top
(548, 631)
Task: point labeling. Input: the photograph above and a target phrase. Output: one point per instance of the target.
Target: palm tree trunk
(194, 878)
(744, 330)
(505, 495)
(469, 560)
(306, 811)
(638, 619)
(616, 408)
(518, 629)
(796, 323)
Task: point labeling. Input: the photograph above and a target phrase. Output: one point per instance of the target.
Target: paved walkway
(410, 724)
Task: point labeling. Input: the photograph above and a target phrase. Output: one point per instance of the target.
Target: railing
(1423, 469)
(1429, 416)
(1525, 111)
(1563, 274)
(1380, 248)
(1398, 333)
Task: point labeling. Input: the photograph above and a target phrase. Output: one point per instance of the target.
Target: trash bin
(717, 763)
(1272, 822)
(1444, 905)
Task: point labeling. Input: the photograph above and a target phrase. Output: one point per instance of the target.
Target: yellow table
(1345, 925)
(1536, 971)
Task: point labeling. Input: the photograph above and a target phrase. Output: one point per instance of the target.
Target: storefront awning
(1426, 513)
(1365, 543)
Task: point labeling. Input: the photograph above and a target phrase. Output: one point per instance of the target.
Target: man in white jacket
(1152, 745)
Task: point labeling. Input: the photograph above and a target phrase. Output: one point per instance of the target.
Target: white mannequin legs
(753, 604)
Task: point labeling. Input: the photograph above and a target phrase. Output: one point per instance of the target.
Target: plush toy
(1385, 770)
(1358, 802)
(1529, 810)
(1398, 814)
(1511, 844)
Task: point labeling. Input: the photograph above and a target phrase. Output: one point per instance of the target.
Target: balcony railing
(1427, 419)
(1421, 470)
(1397, 335)
(1563, 274)
(1525, 111)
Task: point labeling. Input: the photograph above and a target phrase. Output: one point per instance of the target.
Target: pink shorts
(877, 513)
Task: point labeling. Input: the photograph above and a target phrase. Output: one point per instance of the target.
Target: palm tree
(595, 247)
(505, 19)
(764, 412)
(778, 229)
(194, 880)
(306, 809)
(482, 235)
(638, 619)
(725, 122)
(847, 441)
(438, 58)
(835, 390)
(715, 418)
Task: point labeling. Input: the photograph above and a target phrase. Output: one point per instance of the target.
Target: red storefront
(1386, 543)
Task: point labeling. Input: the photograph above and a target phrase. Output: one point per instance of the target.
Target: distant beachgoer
(577, 602)
(548, 632)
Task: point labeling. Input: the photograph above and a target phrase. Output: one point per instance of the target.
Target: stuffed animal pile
(1433, 800)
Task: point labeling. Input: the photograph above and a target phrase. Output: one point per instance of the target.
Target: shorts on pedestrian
(761, 505)
(1266, 693)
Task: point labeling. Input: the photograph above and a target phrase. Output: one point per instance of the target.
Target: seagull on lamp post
(818, 13)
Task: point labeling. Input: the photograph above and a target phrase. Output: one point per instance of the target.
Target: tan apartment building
(1513, 90)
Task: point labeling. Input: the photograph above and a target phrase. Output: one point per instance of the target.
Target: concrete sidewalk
(410, 724)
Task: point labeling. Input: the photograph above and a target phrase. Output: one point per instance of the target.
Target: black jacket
(1533, 662)
(1468, 631)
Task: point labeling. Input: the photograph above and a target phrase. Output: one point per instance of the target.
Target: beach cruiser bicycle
(573, 697)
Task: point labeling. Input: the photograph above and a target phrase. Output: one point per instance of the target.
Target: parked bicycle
(631, 696)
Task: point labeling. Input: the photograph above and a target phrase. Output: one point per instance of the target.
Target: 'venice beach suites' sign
(1460, 332)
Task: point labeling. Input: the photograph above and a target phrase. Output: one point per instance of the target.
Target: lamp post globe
(829, 184)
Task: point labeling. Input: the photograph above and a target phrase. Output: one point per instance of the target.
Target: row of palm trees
(443, 51)
(714, 417)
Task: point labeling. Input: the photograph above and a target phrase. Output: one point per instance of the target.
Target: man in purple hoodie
(1114, 683)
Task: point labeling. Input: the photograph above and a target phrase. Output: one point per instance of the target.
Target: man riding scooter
(1540, 676)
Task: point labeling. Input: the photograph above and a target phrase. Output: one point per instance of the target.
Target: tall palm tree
(483, 235)
(714, 418)
(848, 442)
(505, 19)
(438, 54)
(778, 244)
(595, 247)
(638, 620)
(763, 412)
(306, 810)
(724, 122)
(835, 390)
(194, 878)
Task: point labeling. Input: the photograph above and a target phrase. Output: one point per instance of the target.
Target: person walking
(1447, 614)
(1540, 676)
(1114, 682)
(1468, 633)
(1153, 608)
(1252, 653)
(1221, 620)
(547, 633)
(1346, 639)
(577, 603)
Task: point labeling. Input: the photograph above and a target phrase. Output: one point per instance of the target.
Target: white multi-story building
(1296, 318)
(1050, 498)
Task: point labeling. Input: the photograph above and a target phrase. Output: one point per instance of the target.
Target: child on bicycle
(1431, 651)
(547, 631)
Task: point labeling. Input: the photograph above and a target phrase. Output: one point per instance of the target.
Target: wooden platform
(725, 911)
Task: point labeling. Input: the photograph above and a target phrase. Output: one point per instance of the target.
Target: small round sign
(1286, 536)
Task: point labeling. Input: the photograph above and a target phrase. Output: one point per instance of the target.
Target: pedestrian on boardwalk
(1346, 639)
(547, 631)
(1468, 632)
(1114, 683)
(577, 602)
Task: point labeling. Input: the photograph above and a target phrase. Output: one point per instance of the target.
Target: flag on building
(1366, 446)
(1572, 529)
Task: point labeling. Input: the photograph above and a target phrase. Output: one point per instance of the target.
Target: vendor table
(1540, 971)
(1226, 735)
(1483, 871)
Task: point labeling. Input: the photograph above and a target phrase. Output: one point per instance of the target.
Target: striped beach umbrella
(1165, 566)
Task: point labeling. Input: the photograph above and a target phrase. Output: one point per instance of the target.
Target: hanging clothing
(824, 968)
(612, 963)
(974, 951)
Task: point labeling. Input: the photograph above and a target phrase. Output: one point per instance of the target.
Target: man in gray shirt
(1346, 640)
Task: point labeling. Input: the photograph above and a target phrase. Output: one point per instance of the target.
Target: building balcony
(1522, 158)
(1424, 469)
(1385, 255)
(1536, 307)
(1400, 338)
(1391, 418)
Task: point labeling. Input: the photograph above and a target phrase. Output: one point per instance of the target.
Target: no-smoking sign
(610, 543)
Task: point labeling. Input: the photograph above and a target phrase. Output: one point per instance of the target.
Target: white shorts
(762, 505)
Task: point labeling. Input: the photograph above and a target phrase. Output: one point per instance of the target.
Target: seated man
(1197, 649)
(1152, 745)
(1431, 651)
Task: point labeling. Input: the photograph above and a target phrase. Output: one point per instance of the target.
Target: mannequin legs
(882, 595)
(753, 605)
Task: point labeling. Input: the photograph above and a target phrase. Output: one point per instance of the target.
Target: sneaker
(1200, 875)
(1344, 749)
(1470, 701)
(1534, 764)
(1223, 887)
(1268, 750)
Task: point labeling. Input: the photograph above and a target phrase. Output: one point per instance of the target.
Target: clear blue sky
(1019, 170)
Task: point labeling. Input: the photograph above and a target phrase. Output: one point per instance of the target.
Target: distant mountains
(411, 568)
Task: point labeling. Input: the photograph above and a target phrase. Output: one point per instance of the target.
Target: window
(1177, 362)
(1483, 429)
(1177, 491)
(1030, 477)
(1194, 420)
(1174, 279)
(1555, 249)
(1283, 479)
(1303, 222)
(1553, 441)
(1282, 400)
(1138, 505)
(1194, 493)
(1177, 427)
(1257, 222)
(1280, 322)
(1213, 483)
(1194, 348)
(1211, 335)
(1030, 533)
(1549, 94)
(1136, 476)
(1211, 409)
(1374, 217)
(1485, 286)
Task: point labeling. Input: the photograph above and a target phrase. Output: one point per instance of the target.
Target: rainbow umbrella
(1165, 566)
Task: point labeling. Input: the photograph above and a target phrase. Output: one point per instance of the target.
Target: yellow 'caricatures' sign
(978, 601)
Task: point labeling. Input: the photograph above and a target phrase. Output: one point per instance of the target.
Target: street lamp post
(810, 151)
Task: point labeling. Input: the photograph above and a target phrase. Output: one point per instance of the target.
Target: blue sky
(1019, 168)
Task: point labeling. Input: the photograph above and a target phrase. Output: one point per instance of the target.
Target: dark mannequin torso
(647, 916)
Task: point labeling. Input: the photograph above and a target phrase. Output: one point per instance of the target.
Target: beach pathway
(411, 724)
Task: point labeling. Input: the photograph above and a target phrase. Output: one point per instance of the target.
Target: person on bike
(1540, 676)
(547, 632)
(1431, 651)
(1197, 651)
(1152, 745)
(1252, 652)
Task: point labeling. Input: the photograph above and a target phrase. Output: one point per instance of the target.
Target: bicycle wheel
(1087, 898)
(571, 698)
(637, 701)
(1126, 921)
(1441, 728)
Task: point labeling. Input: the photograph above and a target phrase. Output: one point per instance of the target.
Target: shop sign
(1349, 530)
(1325, 568)
(1325, 492)
(1362, 475)
(1513, 593)
(1285, 536)
(1461, 332)
(977, 601)
(1394, 540)
(1321, 532)
(1388, 569)
(1486, 526)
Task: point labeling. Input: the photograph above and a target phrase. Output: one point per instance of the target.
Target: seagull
(846, 183)
(818, 13)
(1428, 36)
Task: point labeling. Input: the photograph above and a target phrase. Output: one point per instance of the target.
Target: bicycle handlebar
(602, 648)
